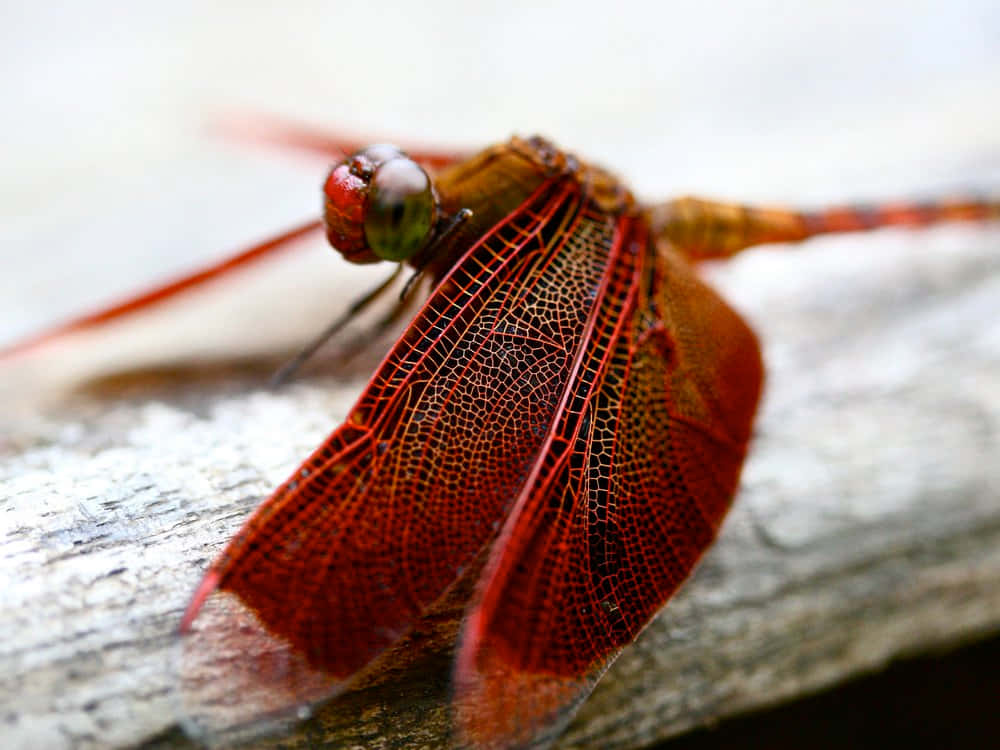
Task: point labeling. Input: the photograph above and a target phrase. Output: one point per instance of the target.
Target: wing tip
(208, 584)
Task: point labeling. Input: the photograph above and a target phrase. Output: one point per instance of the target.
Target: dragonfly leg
(400, 309)
(407, 295)
(285, 373)
(702, 229)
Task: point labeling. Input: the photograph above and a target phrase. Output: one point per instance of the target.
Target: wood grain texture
(867, 526)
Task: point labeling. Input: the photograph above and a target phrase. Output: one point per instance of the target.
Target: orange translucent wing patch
(631, 487)
(385, 515)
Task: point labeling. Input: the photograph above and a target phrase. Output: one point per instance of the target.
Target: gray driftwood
(867, 526)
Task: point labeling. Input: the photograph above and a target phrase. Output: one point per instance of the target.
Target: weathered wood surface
(868, 524)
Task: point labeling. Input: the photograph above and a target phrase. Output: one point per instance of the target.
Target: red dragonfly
(553, 442)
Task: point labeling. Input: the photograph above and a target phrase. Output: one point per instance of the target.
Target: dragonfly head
(379, 204)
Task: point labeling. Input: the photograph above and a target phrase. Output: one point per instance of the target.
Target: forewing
(385, 515)
(630, 489)
(234, 310)
(328, 144)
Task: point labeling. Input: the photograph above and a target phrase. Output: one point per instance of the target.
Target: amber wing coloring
(631, 486)
(570, 390)
(384, 516)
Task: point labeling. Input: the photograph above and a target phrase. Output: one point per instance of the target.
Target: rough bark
(867, 526)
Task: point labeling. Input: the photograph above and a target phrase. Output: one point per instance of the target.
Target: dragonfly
(553, 442)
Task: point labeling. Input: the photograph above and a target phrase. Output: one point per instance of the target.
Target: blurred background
(113, 178)
(115, 175)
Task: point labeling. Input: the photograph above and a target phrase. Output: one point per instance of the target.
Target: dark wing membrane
(384, 516)
(630, 489)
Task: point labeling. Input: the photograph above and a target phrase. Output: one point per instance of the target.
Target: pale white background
(110, 179)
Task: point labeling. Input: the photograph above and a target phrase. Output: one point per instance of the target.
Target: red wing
(170, 290)
(383, 517)
(630, 489)
(261, 129)
(272, 130)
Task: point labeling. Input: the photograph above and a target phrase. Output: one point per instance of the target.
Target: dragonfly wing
(630, 488)
(249, 308)
(163, 292)
(376, 525)
(268, 129)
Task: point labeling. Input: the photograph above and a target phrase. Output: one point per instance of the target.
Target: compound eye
(401, 208)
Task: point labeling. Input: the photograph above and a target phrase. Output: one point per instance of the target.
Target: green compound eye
(400, 210)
